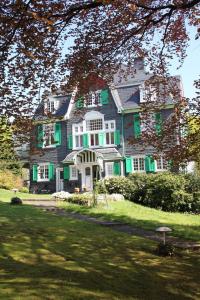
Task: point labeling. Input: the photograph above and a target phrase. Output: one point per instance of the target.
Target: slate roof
(107, 153)
(60, 112)
(129, 96)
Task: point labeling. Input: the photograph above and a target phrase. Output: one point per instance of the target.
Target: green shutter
(35, 172)
(70, 142)
(104, 96)
(101, 139)
(57, 135)
(116, 168)
(85, 140)
(40, 136)
(51, 171)
(117, 137)
(129, 164)
(158, 123)
(149, 164)
(136, 125)
(66, 172)
(80, 102)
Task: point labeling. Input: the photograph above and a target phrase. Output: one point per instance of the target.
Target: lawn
(183, 225)
(6, 195)
(44, 256)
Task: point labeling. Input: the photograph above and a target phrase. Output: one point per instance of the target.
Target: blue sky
(190, 70)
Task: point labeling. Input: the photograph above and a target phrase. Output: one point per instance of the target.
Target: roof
(107, 153)
(129, 96)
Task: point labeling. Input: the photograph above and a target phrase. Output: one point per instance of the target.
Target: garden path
(51, 206)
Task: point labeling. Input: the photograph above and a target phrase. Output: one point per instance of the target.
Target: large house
(87, 138)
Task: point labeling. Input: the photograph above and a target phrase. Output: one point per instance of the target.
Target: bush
(192, 183)
(16, 201)
(183, 201)
(9, 181)
(24, 189)
(81, 199)
(120, 185)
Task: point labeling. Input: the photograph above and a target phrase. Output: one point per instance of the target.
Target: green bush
(192, 183)
(120, 185)
(183, 201)
(81, 199)
(8, 180)
(16, 201)
(24, 189)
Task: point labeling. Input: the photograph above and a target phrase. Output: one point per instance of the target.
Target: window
(94, 139)
(110, 125)
(92, 125)
(138, 164)
(109, 169)
(50, 106)
(161, 164)
(93, 99)
(79, 141)
(43, 172)
(110, 139)
(73, 173)
(49, 132)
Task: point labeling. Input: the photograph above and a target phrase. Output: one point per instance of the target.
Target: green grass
(44, 256)
(6, 195)
(183, 225)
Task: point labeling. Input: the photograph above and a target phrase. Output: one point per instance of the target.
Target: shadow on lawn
(188, 232)
(49, 257)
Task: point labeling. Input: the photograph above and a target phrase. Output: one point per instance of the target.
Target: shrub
(24, 189)
(16, 201)
(9, 181)
(183, 201)
(192, 183)
(120, 185)
(82, 199)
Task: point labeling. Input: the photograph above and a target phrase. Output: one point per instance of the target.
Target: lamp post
(163, 230)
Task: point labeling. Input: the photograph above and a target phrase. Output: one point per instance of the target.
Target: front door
(59, 180)
(87, 179)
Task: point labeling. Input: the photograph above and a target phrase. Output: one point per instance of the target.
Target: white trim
(71, 177)
(107, 164)
(116, 98)
(71, 104)
(138, 157)
(42, 179)
(59, 181)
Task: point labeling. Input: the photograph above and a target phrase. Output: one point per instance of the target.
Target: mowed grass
(6, 195)
(44, 256)
(186, 226)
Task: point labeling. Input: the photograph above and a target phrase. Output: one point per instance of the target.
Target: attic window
(93, 99)
(50, 106)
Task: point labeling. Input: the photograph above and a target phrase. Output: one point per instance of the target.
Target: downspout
(123, 142)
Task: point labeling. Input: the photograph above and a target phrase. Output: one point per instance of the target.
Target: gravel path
(51, 206)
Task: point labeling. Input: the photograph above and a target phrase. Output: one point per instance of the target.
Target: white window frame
(81, 128)
(138, 158)
(144, 91)
(43, 128)
(45, 165)
(107, 165)
(71, 175)
(162, 164)
(93, 97)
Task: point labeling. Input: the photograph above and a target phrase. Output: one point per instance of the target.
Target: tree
(106, 33)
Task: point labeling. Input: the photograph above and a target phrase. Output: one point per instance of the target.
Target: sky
(190, 70)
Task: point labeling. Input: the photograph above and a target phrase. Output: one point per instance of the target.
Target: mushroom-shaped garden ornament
(163, 230)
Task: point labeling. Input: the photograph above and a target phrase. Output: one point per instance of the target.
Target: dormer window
(93, 99)
(51, 106)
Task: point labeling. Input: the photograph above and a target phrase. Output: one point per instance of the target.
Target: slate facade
(80, 140)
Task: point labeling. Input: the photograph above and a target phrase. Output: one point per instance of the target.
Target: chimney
(139, 63)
